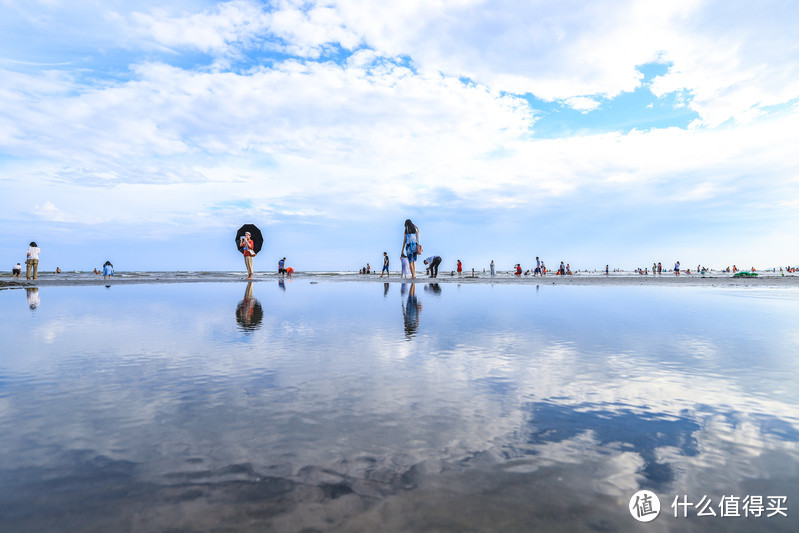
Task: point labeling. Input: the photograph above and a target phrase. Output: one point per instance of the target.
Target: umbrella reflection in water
(249, 312)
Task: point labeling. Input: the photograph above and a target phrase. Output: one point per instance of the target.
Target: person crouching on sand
(16, 271)
(432, 263)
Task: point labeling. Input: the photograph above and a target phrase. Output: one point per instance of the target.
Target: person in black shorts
(385, 266)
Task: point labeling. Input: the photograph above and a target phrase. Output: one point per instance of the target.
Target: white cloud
(395, 122)
(731, 57)
(218, 30)
(581, 103)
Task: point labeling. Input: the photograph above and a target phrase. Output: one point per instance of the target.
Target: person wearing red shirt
(247, 249)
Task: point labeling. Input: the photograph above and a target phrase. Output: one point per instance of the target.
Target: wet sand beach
(347, 402)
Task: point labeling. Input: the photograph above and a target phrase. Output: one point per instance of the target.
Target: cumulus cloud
(732, 57)
(328, 110)
(581, 103)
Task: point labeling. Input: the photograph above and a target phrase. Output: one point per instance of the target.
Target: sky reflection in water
(538, 407)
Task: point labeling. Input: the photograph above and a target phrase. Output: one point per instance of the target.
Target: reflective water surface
(304, 406)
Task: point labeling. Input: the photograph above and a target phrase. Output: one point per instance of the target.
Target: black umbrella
(255, 234)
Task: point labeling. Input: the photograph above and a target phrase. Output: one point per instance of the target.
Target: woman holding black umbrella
(249, 241)
(248, 249)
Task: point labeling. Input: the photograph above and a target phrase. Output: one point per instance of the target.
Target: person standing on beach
(32, 262)
(660, 267)
(460, 267)
(410, 244)
(493, 273)
(537, 266)
(677, 268)
(247, 249)
(432, 263)
(281, 266)
(16, 271)
(385, 266)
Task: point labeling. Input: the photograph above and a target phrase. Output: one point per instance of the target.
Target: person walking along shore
(385, 266)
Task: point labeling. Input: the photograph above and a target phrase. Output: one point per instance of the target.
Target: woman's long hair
(409, 227)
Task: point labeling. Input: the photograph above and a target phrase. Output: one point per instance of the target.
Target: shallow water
(359, 407)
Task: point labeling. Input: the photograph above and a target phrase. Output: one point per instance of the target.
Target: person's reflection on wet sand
(281, 284)
(249, 312)
(411, 311)
(33, 297)
(433, 288)
(385, 290)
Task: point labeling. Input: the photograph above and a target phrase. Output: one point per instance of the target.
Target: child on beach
(406, 267)
(108, 270)
(16, 271)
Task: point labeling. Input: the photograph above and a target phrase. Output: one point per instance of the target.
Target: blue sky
(596, 133)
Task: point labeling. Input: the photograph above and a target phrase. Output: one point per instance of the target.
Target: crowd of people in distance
(410, 252)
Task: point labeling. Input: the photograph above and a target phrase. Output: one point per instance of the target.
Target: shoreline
(718, 280)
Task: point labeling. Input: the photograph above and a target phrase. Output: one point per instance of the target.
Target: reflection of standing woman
(247, 247)
(410, 244)
(410, 312)
(249, 312)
